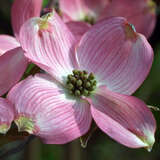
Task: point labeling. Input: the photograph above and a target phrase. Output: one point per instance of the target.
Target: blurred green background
(100, 146)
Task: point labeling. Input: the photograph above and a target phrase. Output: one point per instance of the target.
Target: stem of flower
(18, 148)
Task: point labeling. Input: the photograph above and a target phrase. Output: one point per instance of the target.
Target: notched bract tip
(130, 31)
(25, 124)
(4, 128)
(149, 149)
(149, 140)
(43, 22)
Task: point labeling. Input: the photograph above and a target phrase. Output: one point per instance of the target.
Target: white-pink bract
(137, 12)
(120, 59)
(12, 60)
(6, 115)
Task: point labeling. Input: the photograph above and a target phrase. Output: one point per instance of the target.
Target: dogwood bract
(12, 61)
(6, 115)
(89, 80)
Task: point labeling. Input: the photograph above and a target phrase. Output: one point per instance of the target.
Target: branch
(17, 149)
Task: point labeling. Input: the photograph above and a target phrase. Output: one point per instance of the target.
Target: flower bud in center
(80, 83)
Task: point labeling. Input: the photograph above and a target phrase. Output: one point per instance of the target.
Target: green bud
(88, 84)
(79, 83)
(75, 72)
(81, 74)
(92, 88)
(80, 88)
(70, 86)
(69, 76)
(77, 93)
(94, 83)
(85, 92)
(85, 76)
(91, 76)
(73, 79)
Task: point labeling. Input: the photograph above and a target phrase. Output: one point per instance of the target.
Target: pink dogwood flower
(137, 12)
(6, 115)
(12, 60)
(89, 80)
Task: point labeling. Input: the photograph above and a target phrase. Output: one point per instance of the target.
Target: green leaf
(45, 2)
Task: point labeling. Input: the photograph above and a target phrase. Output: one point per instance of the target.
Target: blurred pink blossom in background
(140, 13)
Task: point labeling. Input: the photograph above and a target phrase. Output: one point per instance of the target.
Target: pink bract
(12, 60)
(120, 59)
(6, 115)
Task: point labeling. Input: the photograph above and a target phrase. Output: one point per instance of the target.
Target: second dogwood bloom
(137, 12)
(91, 79)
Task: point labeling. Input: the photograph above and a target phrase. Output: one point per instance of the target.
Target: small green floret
(80, 83)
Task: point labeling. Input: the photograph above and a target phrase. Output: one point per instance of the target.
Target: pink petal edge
(6, 115)
(7, 43)
(13, 65)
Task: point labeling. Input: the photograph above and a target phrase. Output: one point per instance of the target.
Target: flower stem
(17, 149)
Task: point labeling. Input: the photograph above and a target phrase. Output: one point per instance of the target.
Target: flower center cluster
(80, 83)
